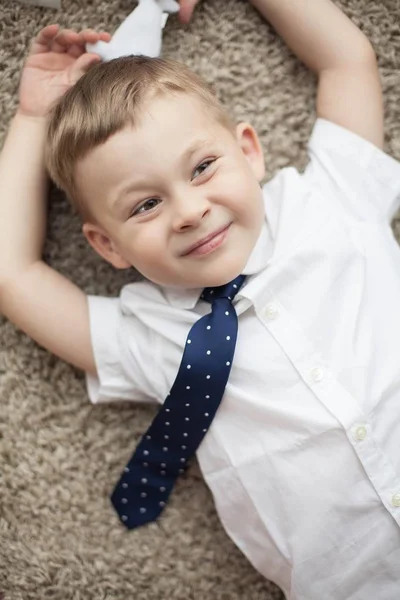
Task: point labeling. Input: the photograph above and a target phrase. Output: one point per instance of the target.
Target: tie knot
(228, 290)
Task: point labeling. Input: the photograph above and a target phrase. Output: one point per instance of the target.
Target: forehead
(178, 117)
(170, 128)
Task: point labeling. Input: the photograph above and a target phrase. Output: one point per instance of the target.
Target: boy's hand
(56, 61)
(186, 10)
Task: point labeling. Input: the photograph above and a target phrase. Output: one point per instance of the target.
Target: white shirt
(303, 455)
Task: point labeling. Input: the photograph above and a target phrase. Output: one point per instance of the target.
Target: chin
(224, 275)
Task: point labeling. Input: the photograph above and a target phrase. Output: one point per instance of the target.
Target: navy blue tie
(179, 427)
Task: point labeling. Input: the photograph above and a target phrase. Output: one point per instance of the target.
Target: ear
(250, 144)
(104, 246)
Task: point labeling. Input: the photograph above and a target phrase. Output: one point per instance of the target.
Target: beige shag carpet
(60, 456)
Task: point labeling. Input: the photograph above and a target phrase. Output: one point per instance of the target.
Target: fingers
(82, 64)
(78, 47)
(64, 40)
(186, 10)
(75, 44)
(91, 37)
(42, 41)
(51, 38)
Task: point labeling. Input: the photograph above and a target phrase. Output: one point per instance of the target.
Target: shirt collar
(258, 260)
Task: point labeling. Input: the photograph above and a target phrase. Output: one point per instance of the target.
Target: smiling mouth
(209, 243)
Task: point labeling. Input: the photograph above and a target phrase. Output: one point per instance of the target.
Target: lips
(206, 240)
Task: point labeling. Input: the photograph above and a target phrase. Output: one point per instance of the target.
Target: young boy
(302, 456)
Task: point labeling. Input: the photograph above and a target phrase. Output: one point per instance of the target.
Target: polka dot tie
(179, 427)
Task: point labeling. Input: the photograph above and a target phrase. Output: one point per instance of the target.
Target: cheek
(145, 243)
(246, 199)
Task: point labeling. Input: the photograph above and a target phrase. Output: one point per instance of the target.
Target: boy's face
(162, 187)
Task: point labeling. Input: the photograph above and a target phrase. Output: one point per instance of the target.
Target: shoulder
(349, 174)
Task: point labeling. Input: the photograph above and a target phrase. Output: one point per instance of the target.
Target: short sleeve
(119, 346)
(353, 172)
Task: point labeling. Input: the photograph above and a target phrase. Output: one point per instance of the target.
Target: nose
(189, 210)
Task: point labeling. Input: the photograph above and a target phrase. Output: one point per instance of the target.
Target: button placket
(360, 433)
(396, 500)
(271, 311)
(316, 374)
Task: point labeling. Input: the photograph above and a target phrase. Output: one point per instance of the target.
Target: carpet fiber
(60, 456)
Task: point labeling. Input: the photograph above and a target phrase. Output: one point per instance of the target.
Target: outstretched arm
(349, 90)
(43, 303)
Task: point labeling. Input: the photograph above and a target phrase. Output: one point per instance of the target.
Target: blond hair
(105, 100)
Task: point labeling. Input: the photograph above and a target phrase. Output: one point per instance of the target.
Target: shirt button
(317, 374)
(271, 311)
(360, 433)
(396, 500)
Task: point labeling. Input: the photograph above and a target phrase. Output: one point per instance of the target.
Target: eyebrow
(186, 156)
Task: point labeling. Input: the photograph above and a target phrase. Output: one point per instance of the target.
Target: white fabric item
(139, 33)
(303, 455)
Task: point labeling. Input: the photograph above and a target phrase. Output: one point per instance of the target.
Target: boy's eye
(202, 167)
(153, 202)
(146, 206)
